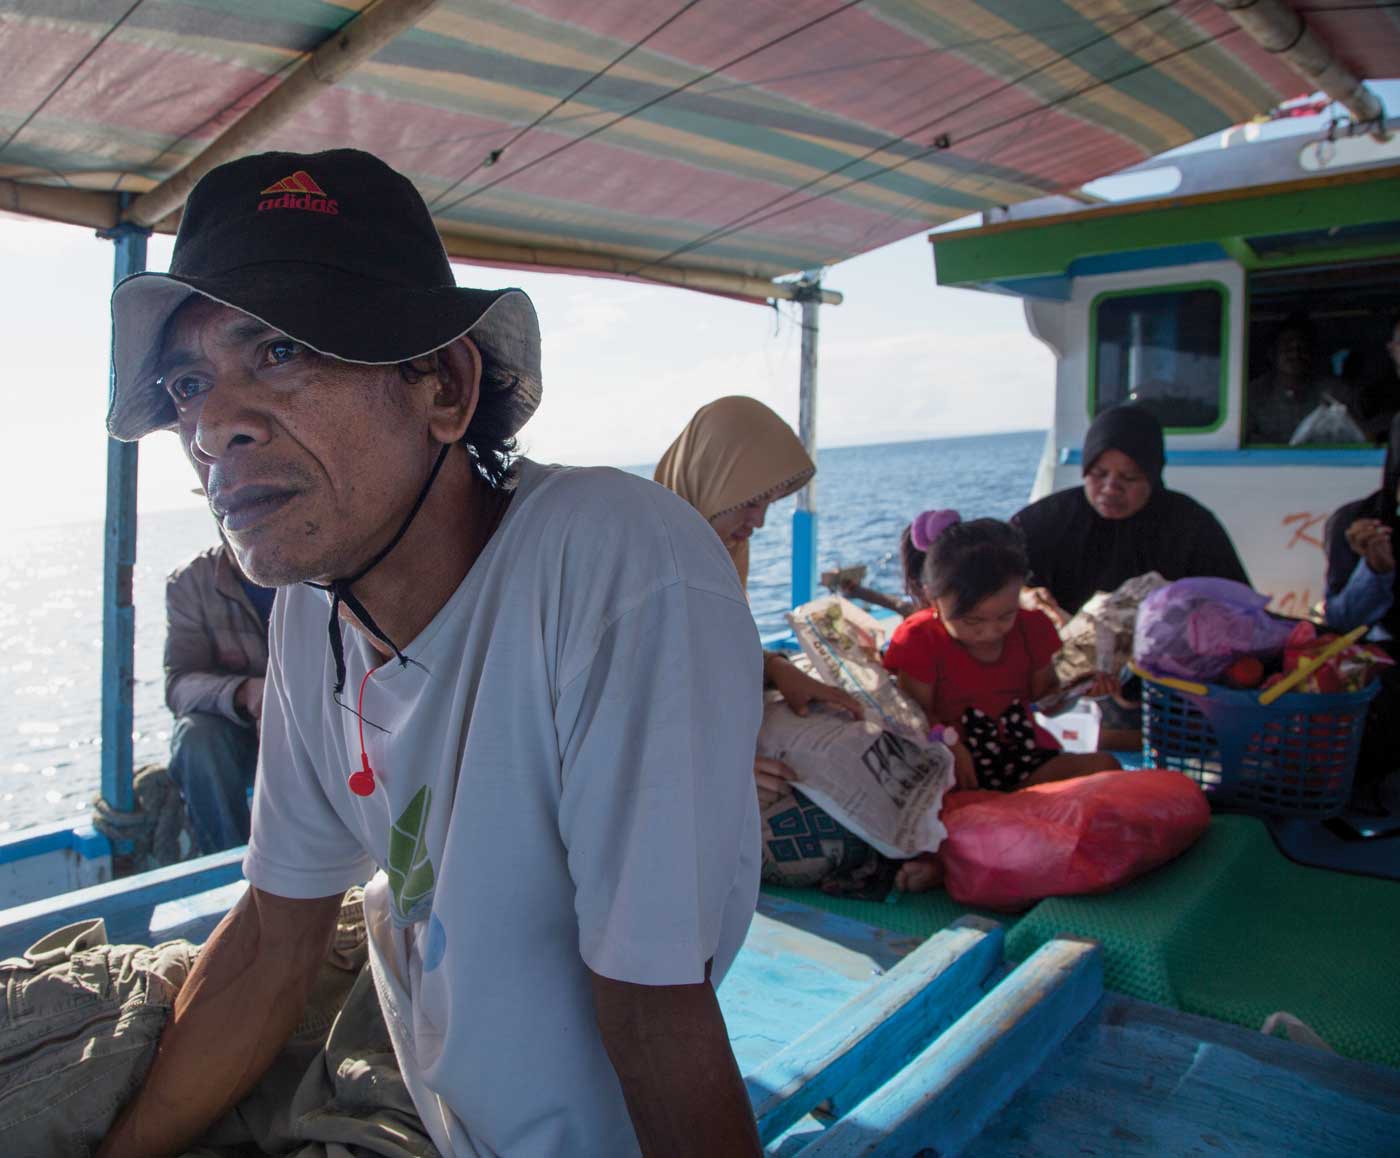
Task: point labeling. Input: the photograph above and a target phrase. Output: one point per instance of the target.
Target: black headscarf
(1074, 551)
(1341, 559)
(1130, 430)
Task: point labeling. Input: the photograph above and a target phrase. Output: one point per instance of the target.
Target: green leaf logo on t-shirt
(410, 869)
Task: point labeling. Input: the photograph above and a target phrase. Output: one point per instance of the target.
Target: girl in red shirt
(975, 661)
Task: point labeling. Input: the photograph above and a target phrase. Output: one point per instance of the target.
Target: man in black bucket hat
(536, 734)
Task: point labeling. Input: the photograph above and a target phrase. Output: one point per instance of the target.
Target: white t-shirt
(568, 787)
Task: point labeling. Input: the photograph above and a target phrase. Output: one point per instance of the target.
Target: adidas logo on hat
(299, 191)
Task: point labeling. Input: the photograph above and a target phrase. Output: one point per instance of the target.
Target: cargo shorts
(79, 1024)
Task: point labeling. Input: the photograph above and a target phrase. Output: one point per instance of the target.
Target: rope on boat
(154, 834)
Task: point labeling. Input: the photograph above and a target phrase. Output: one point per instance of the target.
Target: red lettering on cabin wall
(1306, 529)
(1293, 603)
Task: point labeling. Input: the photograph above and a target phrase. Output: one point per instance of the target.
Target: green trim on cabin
(1046, 247)
(1336, 256)
(1223, 390)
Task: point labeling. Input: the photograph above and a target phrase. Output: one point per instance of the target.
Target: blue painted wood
(1363, 457)
(788, 977)
(192, 917)
(1138, 1080)
(119, 558)
(804, 556)
(859, 1046)
(885, 948)
(127, 905)
(945, 1096)
(83, 839)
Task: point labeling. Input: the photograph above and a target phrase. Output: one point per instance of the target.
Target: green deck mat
(1235, 931)
(914, 914)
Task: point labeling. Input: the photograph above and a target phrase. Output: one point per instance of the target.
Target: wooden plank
(782, 983)
(884, 947)
(1137, 1080)
(944, 1097)
(192, 918)
(123, 903)
(1366, 1081)
(866, 1041)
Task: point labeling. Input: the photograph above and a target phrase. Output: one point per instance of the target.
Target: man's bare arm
(671, 1052)
(242, 1000)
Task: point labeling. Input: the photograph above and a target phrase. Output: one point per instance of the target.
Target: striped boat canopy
(712, 143)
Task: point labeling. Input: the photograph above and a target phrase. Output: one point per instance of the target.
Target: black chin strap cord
(341, 592)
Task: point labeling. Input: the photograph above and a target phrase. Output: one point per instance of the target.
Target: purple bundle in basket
(1196, 628)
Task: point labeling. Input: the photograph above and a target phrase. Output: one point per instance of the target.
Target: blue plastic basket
(1294, 757)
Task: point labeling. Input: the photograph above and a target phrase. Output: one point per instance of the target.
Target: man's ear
(456, 390)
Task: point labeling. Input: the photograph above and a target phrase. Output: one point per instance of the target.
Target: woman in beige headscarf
(731, 461)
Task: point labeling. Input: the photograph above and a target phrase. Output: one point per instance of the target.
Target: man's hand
(671, 1052)
(800, 690)
(242, 1000)
(771, 777)
(248, 699)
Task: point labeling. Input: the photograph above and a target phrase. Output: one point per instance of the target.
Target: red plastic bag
(1007, 850)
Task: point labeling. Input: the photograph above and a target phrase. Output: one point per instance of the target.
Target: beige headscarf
(734, 451)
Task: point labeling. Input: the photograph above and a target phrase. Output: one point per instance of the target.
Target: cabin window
(1163, 349)
(1323, 366)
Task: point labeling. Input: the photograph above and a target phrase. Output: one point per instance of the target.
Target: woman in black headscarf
(1122, 522)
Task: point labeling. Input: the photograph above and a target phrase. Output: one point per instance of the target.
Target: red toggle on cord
(362, 780)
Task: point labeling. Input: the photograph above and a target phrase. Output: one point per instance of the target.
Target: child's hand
(771, 778)
(799, 690)
(964, 774)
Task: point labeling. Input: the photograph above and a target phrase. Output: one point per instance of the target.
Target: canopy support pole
(804, 519)
(119, 560)
(1279, 29)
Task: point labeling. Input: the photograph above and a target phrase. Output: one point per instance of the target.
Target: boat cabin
(1233, 292)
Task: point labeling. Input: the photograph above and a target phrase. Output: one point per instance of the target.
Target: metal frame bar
(119, 560)
(804, 518)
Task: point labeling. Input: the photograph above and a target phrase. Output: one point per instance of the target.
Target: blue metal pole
(804, 518)
(119, 560)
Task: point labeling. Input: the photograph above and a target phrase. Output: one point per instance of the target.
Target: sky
(625, 366)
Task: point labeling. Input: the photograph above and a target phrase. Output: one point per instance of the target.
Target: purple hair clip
(928, 526)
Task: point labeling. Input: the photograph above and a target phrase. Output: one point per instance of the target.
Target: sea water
(51, 600)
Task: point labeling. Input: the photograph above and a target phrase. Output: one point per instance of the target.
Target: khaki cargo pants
(79, 1022)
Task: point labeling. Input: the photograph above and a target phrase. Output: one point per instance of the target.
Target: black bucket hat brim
(334, 311)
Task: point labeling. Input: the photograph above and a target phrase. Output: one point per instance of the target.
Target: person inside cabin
(520, 700)
(976, 661)
(1292, 389)
(1122, 522)
(216, 622)
(1379, 394)
(735, 458)
(1361, 590)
